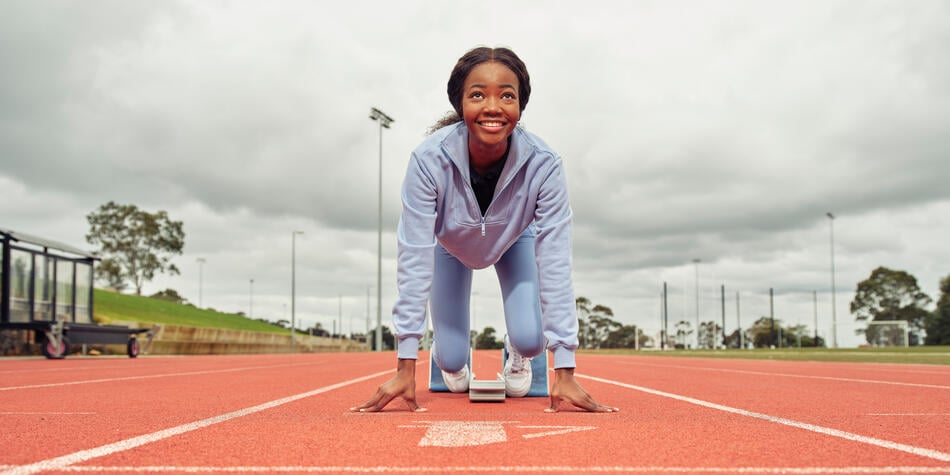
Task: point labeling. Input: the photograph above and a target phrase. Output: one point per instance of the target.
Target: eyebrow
(509, 86)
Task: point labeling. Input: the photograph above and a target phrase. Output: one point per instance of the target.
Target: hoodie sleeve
(553, 217)
(416, 245)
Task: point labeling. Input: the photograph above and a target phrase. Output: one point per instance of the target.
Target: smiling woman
(481, 191)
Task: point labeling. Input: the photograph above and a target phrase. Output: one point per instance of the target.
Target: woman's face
(490, 107)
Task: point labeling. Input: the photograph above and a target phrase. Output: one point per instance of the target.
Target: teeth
(492, 124)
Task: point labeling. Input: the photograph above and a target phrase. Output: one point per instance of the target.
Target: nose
(493, 104)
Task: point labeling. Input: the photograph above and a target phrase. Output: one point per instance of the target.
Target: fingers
(586, 403)
(369, 406)
(381, 399)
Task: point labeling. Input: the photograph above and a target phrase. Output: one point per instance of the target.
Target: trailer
(47, 287)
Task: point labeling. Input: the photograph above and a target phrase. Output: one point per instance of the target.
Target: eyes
(507, 96)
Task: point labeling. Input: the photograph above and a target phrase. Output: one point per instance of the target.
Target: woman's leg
(518, 275)
(449, 304)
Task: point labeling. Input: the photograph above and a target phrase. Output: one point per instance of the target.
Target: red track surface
(289, 414)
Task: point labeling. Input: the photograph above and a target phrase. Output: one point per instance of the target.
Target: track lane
(316, 433)
(782, 389)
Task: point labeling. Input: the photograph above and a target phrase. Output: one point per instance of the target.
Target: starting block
(494, 390)
(487, 390)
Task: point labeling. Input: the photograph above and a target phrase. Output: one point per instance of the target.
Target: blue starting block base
(539, 374)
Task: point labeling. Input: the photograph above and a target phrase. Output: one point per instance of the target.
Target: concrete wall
(181, 340)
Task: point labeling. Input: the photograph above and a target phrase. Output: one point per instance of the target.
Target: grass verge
(115, 307)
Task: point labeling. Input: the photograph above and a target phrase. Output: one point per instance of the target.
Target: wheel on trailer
(54, 351)
(132, 347)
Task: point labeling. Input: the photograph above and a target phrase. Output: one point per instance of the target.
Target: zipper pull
(483, 226)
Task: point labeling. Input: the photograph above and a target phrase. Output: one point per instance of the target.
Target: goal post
(888, 333)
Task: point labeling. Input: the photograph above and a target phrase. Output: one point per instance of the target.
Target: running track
(289, 414)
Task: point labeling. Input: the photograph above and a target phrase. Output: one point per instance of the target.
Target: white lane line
(150, 376)
(63, 462)
(887, 444)
(786, 375)
(503, 469)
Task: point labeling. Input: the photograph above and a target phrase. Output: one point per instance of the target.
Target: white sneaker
(517, 372)
(457, 382)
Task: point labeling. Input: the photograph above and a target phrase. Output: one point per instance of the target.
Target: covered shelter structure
(47, 287)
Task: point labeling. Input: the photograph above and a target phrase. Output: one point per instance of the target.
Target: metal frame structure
(60, 322)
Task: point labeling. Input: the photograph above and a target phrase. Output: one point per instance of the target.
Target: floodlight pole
(250, 308)
(696, 266)
(384, 121)
(201, 267)
(293, 286)
(834, 310)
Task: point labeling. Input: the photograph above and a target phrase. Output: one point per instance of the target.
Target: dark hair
(480, 55)
(467, 63)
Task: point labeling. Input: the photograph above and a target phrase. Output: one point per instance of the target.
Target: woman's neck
(482, 158)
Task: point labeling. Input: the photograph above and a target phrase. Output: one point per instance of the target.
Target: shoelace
(518, 363)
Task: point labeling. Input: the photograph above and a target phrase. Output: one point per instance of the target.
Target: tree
(584, 335)
(890, 295)
(709, 333)
(389, 341)
(626, 337)
(600, 325)
(135, 244)
(762, 332)
(487, 341)
(683, 330)
(938, 322)
(169, 295)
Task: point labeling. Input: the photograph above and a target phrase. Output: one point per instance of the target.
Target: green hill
(115, 307)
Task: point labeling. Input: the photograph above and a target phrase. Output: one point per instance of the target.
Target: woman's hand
(566, 388)
(402, 385)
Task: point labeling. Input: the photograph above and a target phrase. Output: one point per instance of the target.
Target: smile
(491, 123)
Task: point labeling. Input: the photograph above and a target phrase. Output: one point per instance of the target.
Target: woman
(481, 191)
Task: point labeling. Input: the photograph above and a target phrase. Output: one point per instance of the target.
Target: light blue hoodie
(438, 203)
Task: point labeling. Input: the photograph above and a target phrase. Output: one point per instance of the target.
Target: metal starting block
(487, 390)
(493, 390)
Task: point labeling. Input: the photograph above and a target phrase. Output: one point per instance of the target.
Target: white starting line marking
(887, 444)
(470, 433)
(501, 469)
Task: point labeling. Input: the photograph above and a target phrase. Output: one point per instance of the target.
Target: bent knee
(530, 345)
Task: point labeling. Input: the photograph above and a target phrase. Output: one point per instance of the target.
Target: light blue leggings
(451, 295)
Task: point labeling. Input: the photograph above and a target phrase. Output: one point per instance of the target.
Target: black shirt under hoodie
(484, 185)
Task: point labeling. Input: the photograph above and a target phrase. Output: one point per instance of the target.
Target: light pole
(384, 121)
(834, 312)
(250, 309)
(293, 285)
(696, 266)
(201, 268)
(474, 318)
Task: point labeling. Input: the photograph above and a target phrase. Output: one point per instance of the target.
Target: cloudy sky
(720, 131)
